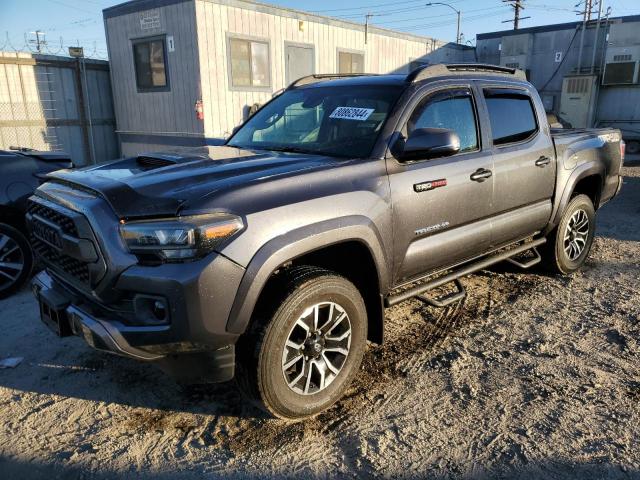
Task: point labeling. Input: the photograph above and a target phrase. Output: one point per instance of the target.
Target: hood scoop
(150, 162)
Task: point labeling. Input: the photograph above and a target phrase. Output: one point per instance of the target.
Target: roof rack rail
(326, 76)
(443, 69)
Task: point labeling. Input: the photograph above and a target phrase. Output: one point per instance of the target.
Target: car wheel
(568, 245)
(16, 260)
(303, 352)
(633, 147)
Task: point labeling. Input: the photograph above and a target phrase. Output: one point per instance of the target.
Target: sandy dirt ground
(533, 376)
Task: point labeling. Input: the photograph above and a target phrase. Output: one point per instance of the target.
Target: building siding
(199, 67)
(160, 112)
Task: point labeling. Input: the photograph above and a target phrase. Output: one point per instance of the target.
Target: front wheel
(300, 357)
(16, 260)
(568, 245)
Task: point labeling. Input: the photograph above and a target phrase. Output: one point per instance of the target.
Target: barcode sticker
(352, 113)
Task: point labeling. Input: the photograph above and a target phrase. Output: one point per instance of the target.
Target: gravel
(533, 376)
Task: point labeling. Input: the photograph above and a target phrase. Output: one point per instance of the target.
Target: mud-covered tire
(262, 354)
(559, 256)
(16, 260)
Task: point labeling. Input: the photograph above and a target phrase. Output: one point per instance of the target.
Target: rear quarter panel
(582, 153)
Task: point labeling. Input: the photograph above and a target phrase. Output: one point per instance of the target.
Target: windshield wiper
(290, 149)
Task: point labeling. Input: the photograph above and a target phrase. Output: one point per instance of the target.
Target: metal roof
(552, 28)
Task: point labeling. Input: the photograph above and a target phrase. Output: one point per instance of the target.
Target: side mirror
(425, 143)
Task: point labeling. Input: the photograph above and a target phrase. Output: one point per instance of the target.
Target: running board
(466, 270)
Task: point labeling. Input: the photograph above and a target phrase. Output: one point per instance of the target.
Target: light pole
(452, 8)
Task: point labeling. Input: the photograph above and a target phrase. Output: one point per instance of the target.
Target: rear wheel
(633, 147)
(304, 350)
(16, 260)
(568, 245)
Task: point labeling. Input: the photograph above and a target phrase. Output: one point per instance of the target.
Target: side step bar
(464, 271)
(447, 299)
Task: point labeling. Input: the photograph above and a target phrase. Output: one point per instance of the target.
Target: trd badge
(430, 185)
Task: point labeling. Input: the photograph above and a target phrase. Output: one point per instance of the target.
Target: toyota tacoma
(272, 258)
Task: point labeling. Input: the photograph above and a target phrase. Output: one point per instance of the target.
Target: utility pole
(517, 5)
(588, 9)
(39, 41)
(458, 13)
(367, 16)
(595, 42)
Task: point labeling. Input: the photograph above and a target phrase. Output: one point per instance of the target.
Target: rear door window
(512, 116)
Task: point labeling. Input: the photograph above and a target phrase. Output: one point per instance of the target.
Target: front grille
(72, 267)
(58, 218)
(75, 268)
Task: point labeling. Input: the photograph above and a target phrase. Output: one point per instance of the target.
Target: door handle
(543, 161)
(481, 175)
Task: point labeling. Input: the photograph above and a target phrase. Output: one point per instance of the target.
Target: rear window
(512, 116)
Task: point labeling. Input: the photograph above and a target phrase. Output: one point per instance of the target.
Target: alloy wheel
(11, 261)
(576, 234)
(317, 348)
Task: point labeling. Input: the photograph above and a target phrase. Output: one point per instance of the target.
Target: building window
(350, 62)
(150, 64)
(249, 62)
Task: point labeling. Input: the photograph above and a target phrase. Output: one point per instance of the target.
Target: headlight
(180, 238)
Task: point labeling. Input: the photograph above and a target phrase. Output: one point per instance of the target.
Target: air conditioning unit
(621, 66)
(577, 101)
(623, 55)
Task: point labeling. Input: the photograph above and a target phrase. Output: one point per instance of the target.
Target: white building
(167, 56)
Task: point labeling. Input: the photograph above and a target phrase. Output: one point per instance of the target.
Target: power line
(74, 7)
(439, 16)
(446, 23)
(367, 6)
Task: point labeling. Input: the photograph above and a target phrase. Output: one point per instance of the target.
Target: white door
(299, 62)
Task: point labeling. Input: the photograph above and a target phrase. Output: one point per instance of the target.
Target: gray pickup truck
(272, 258)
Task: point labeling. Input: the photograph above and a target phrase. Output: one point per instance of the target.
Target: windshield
(338, 121)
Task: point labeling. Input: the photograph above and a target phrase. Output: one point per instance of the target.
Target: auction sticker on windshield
(352, 113)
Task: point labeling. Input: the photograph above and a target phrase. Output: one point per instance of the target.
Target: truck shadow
(80, 372)
(216, 416)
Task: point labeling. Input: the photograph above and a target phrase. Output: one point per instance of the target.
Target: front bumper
(198, 297)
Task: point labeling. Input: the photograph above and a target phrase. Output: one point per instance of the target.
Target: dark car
(21, 172)
(272, 258)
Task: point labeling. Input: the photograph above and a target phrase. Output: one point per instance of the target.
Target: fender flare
(294, 244)
(582, 171)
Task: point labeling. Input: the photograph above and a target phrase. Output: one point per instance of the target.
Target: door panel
(299, 62)
(524, 164)
(438, 224)
(517, 224)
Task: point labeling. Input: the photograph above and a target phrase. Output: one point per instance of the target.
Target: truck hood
(160, 184)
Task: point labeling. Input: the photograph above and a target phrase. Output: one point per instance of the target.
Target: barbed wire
(47, 47)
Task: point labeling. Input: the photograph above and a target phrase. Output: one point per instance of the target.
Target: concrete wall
(57, 103)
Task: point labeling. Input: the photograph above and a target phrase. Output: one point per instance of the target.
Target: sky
(79, 22)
